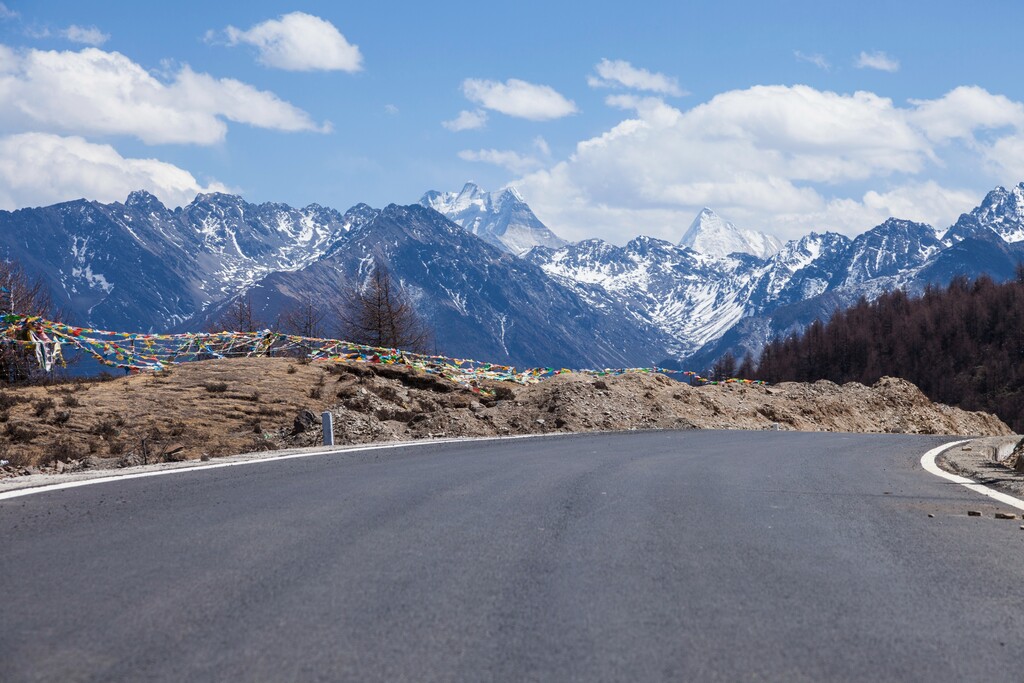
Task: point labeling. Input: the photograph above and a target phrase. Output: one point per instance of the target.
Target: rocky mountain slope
(142, 266)
(710, 303)
(481, 302)
(222, 407)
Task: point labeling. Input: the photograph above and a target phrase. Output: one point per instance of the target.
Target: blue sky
(613, 119)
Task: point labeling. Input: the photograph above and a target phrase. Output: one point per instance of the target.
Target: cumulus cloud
(816, 59)
(519, 98)
(467, 120)
(299, 42)
(877, 60)
(38, 169)
(87, 35)
(106, 93)
(622, 74)
(962, 111)
(786, 159)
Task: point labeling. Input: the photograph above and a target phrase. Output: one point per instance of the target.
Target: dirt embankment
(222, 407)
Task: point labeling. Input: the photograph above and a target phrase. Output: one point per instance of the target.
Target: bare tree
(380, 314)
(238, 317)
(23, 295)
(724, 368)
(305, 319)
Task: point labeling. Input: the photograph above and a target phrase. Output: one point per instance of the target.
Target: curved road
(644, 556)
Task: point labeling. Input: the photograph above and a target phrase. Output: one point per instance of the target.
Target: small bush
(292, 370)
(108, 427)
(20, 433)
(267, 411)
(216, 387)
(62, 449)
(9, 400)
(43, 406)
(315, 392)
(70, 401)
(61, 417)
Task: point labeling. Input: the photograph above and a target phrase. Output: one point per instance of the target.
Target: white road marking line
(17, 493)
(928, 463)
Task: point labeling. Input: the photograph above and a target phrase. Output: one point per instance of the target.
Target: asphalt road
(646, 556)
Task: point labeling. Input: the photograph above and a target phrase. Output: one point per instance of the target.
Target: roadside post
(327, 419)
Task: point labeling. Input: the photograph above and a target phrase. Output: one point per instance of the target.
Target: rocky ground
(221, 407)
(997, 462)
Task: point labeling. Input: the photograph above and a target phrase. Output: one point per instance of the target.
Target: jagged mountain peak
(502, 218)
(1002, 211)
(712, 235)
(141, 200)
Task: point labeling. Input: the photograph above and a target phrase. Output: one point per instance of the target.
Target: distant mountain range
(495, 282)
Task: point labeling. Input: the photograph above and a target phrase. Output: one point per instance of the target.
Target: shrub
(20, 433)
(70, 401)
(43, 406)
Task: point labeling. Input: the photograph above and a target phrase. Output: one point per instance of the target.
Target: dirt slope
(222, 407)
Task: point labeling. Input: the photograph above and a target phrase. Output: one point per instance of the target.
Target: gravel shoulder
(989, 461)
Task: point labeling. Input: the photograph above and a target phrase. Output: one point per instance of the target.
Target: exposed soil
(223, 407)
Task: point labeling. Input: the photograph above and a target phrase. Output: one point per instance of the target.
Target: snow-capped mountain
(712, 235)
(501, 218)
(1002, 212)
(480, 302)
(142, 266)
(713, 293)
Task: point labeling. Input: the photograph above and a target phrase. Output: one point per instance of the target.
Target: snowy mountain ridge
(711, 234)
(501, 218)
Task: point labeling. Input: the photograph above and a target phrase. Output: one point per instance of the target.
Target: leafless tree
(380, 314)
(21, 294)
(305, 318)
(238, 317)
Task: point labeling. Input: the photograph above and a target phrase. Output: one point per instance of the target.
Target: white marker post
(328, 425)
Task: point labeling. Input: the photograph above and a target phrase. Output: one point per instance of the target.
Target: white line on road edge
(928, 462)
(17, 493)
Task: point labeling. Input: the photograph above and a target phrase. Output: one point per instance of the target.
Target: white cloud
(877, 60)
(542, 146)
(6, 13)
(782, 159)
(513, 161)
(105, 93)
(467, 120)
(519, 98)
(390, 110)
(38, 169)
(299, 42)
(960, 112)
(622, 74)
(816, 59)
(87, 35)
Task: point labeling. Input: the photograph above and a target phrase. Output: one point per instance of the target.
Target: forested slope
(962, 345)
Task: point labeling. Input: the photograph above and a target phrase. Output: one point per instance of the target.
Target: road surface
(624, 557)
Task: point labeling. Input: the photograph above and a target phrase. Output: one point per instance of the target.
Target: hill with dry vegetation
(221, 407)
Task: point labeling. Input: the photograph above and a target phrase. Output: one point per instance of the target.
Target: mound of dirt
(223, 407)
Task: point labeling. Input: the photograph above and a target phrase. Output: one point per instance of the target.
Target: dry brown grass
(210, 407)
(223, 407)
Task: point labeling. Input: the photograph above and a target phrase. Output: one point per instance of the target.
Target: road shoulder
(986, 461)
